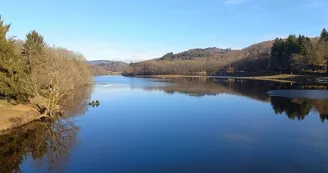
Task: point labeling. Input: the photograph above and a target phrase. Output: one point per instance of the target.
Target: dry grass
(12, 116)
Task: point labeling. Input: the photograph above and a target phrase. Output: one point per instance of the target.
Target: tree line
(195, 53)
(33, 72)
(295, 54)
(300, 54)
(181, 67)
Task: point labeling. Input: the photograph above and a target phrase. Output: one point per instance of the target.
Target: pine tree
(324, 35)
(291, 48)
(33, 49)
(291, 45)
(278, 55)
(11, 66)
(322, 49)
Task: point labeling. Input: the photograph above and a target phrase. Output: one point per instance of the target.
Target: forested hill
(196, 53)
(298, 54)
(198, 61)
(105, 67)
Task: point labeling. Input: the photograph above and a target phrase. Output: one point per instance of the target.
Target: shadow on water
(295, 100)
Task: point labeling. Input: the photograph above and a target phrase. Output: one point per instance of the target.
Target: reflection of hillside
(299, 108)
(292, 107)
(49, 144)
(193, 87)
(202, 86)
(250, 88)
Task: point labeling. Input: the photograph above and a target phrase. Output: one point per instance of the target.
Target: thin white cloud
(231, 2)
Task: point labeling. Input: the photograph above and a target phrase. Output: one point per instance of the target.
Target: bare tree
(51, 83)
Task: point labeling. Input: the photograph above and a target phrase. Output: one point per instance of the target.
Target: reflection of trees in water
(251, 88)
(78, 103)
(299, 108)
(49, 144)
(203, 86)
(322, 107)
(294, 108)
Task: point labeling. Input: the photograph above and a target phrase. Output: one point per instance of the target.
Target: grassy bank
(12, 116)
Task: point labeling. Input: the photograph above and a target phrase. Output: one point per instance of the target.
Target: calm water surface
(179, 126)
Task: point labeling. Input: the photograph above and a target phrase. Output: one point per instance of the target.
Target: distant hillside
(97, 70)
(208, 61)
(105, 67)
(224, 54)
(198, 61)
(220, 54)
(196, 53)
(115, 66)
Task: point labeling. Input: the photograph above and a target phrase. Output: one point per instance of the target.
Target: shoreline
(283, 78)
(13, 116)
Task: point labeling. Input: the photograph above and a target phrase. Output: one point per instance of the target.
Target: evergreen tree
(291, 48)
(33, 49)
(322, 49)
(11, 66)
(324, 35)
(278, 55)
(307, 50)
(291, 45)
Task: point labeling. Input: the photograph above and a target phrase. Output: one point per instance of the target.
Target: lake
(179, 126)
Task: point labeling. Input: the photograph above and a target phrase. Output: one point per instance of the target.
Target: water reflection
(181, 136)
(48, 143)
(296, 108)
(299, 108)
(77, 104)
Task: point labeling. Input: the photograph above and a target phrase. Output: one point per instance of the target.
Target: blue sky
(132, 30)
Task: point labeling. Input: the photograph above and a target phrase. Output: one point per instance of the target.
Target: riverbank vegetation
(296, 54)
(34, 73)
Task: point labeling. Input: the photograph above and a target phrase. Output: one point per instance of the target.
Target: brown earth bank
(12, 116)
